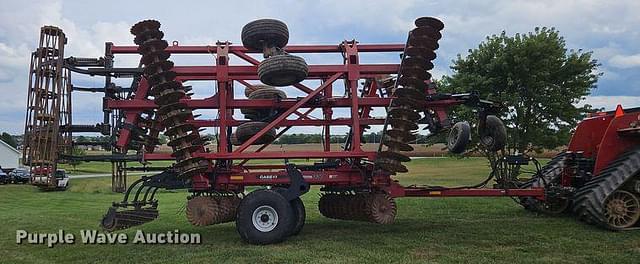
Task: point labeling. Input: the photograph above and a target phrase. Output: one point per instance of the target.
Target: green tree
(76, 152)
(8, 139)
(537, 79)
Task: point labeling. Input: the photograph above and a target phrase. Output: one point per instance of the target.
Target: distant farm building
(9, 156)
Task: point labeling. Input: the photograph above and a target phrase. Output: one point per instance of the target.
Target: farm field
(452, 230)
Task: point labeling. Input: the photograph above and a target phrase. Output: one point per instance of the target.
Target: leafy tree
(77, 152)
(537, 79)
(8, 139)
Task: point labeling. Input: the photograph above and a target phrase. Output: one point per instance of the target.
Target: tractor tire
(300, 215)
(265, 33)
(250, 89)
(282, 70)
(245, 131)
(459, 137)
(493, 135)
(264, 217)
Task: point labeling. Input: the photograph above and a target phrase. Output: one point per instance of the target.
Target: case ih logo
(268, 177)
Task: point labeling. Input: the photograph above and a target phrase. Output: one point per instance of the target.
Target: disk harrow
(357, 182)
(212, 209)
(184, 138)
(409, 88)
(377, 208)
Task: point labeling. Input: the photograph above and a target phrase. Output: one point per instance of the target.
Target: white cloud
(610, 102)
(607, 27)
(624, 62)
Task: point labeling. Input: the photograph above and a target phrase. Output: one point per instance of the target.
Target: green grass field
(452, 230)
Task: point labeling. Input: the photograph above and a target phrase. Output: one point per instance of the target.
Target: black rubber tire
(459, 137)
(251, 89)
(265, 32)
(493, 136)
(244, 224)
(264, 93)
(300, 215)
(247, 130)
(282, 70)
(268, 93)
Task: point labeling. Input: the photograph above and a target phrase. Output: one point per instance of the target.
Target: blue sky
(608, 28)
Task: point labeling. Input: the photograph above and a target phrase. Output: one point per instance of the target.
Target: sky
(607, 28)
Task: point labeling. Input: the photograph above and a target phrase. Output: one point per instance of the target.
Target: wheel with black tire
(264, 93)
(264, 217)
(262, 33)
(282, 70)
(268, 93)
(459, 137)
(245, 131)
(250, 89)
(493, 134)
(300, 215)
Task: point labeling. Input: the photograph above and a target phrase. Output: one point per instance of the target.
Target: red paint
(295, 112)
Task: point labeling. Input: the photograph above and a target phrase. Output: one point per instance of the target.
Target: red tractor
(597, 177)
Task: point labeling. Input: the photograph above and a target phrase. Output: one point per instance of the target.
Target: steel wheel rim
(622, 209)
(265, 218)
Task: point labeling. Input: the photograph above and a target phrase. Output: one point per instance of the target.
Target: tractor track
(551, 173)
(590, 198)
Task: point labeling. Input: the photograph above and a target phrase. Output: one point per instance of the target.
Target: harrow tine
(126, 194)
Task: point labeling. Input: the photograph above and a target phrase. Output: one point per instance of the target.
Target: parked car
(4, 178)
(20, 175)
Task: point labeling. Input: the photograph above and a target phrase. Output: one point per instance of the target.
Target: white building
(9, 156)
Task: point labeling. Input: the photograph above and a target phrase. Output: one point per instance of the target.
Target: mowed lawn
(429, 230)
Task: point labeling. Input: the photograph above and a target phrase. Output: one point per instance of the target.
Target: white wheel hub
(265, 218)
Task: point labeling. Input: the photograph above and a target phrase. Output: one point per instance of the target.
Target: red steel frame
(351, 72)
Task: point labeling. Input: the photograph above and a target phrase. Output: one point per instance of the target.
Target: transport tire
(268, 93)
(251, 89)
(264, 93)
(299, 216)
(493, 135)
(264, 217)
(282, 70)
(265, 32)
(459, 137)
(245, 131)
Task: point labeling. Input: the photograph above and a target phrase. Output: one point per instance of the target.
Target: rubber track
(589, 199)
(551, 172)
